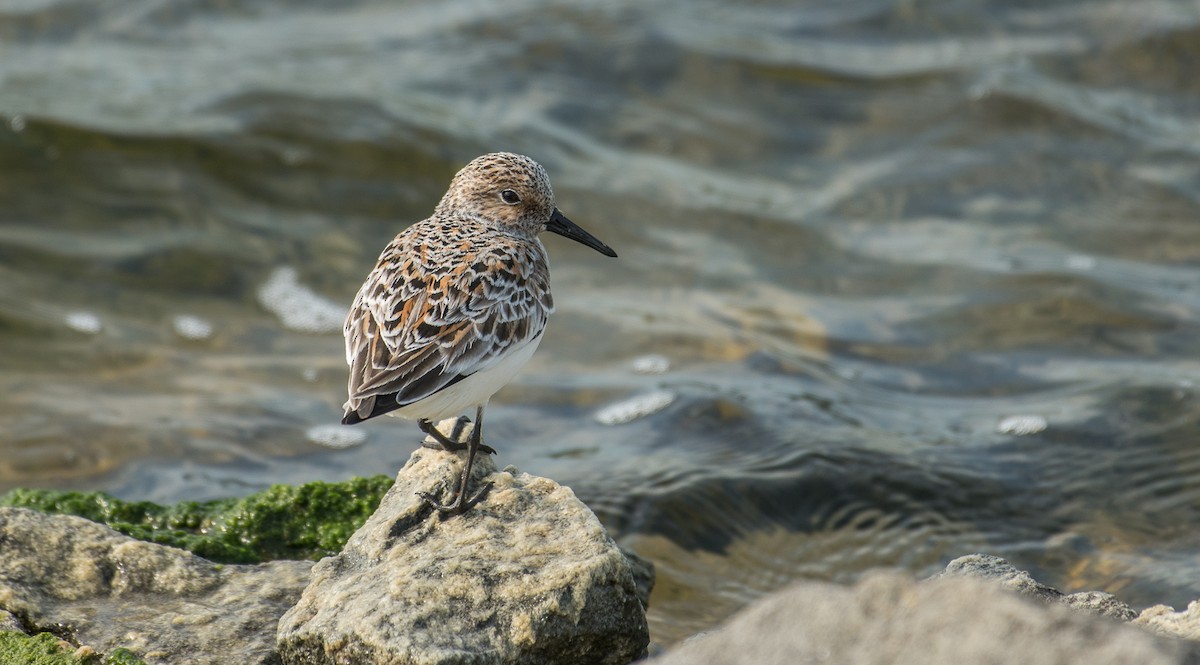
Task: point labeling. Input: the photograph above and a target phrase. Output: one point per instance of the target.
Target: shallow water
(896, 282)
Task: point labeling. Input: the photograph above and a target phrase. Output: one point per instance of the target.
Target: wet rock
(888, 619)
(643, 574)
(528, 575)
(104, 590)
(998, 571)
(8, 622)
(1165, 620)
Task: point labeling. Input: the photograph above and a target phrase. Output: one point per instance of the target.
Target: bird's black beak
(566, 228)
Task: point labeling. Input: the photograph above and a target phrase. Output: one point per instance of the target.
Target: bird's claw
(458, 506)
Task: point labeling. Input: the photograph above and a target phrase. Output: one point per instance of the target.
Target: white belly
(473, 391)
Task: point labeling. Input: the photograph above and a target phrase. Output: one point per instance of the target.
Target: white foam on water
(1022, 425)
(335, 436)
(84, 322)
(297, 306)
(192, 327)
(638, 406)
(651, 364)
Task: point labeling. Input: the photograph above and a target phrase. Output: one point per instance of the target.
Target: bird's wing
(427, 318)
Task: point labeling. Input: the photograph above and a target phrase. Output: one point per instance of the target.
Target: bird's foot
(461, 503)
(458, 506)
(444, 442)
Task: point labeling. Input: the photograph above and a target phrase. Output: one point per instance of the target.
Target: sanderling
(457, 303)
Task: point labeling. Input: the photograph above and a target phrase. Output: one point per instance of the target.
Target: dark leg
(460, 503)
(446, 442)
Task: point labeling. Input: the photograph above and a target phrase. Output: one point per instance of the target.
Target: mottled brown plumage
(457, 302)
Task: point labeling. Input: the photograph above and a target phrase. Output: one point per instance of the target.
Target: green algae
(123, 656)
(46, 649)
(282, 522)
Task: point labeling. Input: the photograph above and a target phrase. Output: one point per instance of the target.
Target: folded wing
(420, 326)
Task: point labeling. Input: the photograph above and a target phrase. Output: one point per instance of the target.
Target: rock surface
(994, 569)
(1100, 603)
(1000, 572)
(642, 570)
(103, 590)
(1165, 620)
(527, 575)
(9, 622)
(889, 619)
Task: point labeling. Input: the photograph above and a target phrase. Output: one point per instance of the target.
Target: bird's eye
(510, 197)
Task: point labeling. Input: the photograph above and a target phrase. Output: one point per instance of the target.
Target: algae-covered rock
(527, 575)
(105, 591)
(546, 575)
(46, 649)
(283, 522)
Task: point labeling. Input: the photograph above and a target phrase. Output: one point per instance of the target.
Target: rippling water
(898, 282)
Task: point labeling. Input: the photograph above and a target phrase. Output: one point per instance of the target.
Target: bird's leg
(460, 503)
(445, 442)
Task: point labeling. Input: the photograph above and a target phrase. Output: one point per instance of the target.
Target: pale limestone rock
(1100, 603)
(998, 571)
(1165, 620)
(891, 620)
(527, 575)
(108, 590)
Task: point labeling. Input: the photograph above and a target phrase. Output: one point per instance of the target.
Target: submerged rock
(103, 590)
(892, 620)
(527, 575)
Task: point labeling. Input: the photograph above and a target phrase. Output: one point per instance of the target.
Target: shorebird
(456, 304)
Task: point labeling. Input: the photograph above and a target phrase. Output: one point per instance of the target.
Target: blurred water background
(898, 280)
